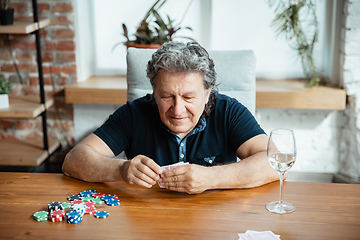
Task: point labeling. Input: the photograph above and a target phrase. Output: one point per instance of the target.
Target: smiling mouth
(178, 118)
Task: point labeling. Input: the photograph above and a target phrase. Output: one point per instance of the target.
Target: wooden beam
(294, 95)
(25, 107)
(24, 25)
(98, 90)
(290, 94)
(16, 152)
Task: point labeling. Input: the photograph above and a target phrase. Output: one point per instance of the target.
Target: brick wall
(349, 149)
(59, 68)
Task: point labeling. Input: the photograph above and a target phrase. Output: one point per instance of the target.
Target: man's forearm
(250, 172)
(86, 164)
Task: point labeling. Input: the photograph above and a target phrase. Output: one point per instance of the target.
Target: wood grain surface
(323, 211)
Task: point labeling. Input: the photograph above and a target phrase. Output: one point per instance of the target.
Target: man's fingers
(146, 175)
(142, 171)
(151, 165)
(174, 171)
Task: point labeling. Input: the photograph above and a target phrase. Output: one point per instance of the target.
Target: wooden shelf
(24, 26)
(294, 95)
(290, 94)
(25, 152)
(98, 90)
(25, 107)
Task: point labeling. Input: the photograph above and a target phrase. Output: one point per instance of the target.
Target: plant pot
(7, 16)
(4, 101)
(138, 45)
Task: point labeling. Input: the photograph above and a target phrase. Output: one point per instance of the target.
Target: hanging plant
(289, 23)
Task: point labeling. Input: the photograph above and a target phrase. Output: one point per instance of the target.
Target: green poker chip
(87, 199)
(97, 201)
(66, 205)
(41, 216)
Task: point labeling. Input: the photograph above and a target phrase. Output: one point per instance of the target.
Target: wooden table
(323, 211)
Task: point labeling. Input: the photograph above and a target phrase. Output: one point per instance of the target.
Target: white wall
(232, 25)
(217, 24)
(85, 57)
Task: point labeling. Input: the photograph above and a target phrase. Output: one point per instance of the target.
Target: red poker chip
(56, 219)
(98, 195)
(57, 214)
(77, 201)
(90, 210)
(90, 204)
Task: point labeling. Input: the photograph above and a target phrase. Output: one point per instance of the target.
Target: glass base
(283, 208)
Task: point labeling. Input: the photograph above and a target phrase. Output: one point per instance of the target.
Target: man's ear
(207, 95)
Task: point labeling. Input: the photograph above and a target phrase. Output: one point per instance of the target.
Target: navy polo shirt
(136, 127)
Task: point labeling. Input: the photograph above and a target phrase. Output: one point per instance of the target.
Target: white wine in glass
(281, 153)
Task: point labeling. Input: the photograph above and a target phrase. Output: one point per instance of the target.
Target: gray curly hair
(184, 57)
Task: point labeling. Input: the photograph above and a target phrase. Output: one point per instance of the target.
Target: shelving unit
(290, 94)
(26, 152)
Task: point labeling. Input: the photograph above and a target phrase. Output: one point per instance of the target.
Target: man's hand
(192, 179)
(141, 170)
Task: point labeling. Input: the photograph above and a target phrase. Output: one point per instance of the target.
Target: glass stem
(281, 184)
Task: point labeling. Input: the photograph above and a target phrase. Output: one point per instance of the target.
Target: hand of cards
(254, 235)
(167, 167)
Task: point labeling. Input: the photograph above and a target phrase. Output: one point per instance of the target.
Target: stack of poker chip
(54, 206)
(57, 216)
(111, 200)
(79, 207)
(41, 216)
(74, 217)
(90, 208)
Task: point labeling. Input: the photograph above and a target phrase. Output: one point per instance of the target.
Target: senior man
(184, 120)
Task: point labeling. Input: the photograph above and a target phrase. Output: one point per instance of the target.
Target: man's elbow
(66, 166)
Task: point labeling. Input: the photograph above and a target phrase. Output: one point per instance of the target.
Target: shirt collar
(200, 126)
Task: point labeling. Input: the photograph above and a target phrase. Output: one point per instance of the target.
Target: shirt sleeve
(116, 130)
(242, 125)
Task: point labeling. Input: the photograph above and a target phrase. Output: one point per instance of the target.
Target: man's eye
(167, 98)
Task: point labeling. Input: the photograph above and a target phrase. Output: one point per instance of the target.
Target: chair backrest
(235, 74)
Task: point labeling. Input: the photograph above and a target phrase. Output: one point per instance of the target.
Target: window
(217, 25)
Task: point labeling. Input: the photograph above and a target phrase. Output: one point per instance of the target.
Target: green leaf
(159, 20)
(125, 32)
(142, 36)
(5, 85)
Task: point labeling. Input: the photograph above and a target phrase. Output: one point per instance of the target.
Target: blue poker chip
(73, 215)
(113, 202)
(108, 197)
(74, 221)
(87, 193)
(101, 214)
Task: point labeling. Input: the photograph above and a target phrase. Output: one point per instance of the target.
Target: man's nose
(178, 107)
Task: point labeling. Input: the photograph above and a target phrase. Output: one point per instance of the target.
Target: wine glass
(281, 152)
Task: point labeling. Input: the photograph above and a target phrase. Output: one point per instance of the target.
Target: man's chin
(178, 130)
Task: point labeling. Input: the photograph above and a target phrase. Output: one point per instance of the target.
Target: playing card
(167, 167)
(268, 235)
(255, 235)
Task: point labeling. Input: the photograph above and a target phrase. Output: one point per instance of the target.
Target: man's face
(181, 99)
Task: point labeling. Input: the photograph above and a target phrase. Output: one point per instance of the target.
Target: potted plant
(5, 89)
(153, 30)
(6, 14)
